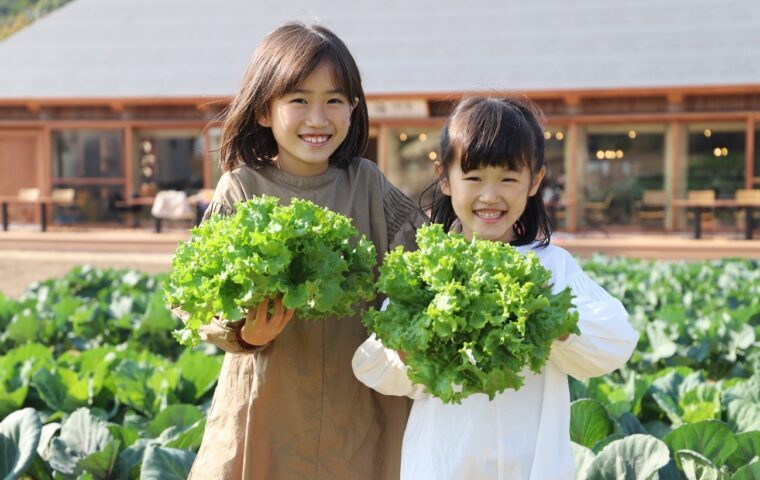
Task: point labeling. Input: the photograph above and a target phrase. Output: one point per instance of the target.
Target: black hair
(494, 132)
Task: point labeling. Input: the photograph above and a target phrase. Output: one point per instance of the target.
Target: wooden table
(43, 202)
(698, 207)
(141, 202)
(138, 202)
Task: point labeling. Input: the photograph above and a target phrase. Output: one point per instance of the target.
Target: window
(716, 158)
(622, 162)
(411, 156)
(168, 160)
(87, 154)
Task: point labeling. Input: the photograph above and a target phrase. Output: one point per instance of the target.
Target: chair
(66, 211)
(651, 206)
(16, 206)
(63, 196)
(751, 197)
(557, 211)
(748, 196)
(597, 212)
(705, 199)
(30, 195)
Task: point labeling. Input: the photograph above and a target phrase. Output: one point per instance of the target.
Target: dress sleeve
(229, 191)
(226, 335)
(606, 341)
(382, 370)
(403, 217)
(217, 208)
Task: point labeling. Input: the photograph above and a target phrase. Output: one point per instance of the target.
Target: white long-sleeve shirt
(521, 434)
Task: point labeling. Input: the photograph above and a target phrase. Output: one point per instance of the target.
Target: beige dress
(294, 409)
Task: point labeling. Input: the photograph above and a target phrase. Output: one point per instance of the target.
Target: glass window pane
(411, 155)
(168, 160)
(92, 203)
(87, 153)
(716, 148)
(757, 158)
(622, 163)
(554, 155)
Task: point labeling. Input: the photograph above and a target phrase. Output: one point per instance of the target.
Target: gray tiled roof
(190, 48)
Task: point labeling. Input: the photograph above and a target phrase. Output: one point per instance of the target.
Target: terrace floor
(27, 255)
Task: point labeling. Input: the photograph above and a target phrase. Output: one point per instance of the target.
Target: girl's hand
(259, 328)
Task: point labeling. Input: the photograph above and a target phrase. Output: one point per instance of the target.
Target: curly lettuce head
(310, 255)
(470, 315)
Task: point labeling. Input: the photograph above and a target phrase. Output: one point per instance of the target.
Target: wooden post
(129, 161)
(672, 173)
(206, 159)
(571, 177)
(382, 148)
(44, 172)
(749, 154)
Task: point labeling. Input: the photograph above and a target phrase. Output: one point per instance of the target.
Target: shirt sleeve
(606, 341)
(381, 369)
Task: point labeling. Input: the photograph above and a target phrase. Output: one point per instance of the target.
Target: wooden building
(116, 98)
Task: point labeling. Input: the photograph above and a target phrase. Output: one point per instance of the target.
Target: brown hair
(285, 58)
(496, 132)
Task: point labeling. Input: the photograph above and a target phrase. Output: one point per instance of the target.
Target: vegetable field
(93, 386)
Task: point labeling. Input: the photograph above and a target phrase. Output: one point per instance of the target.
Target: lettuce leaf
(470, 315)
(311, 256)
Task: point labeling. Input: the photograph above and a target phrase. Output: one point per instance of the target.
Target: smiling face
(309, 123)
(488, 200)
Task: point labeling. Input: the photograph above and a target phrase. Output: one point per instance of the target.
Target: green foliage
(311, 256)
(711, 438)
(81, 445)
(470, 315)
(16, 14)
(693, 381)
(686, 406)
(166, 464)
(19, 434)
(590, 423)
(89, 308)
(636, 457)
(118, 381)
(705, 315)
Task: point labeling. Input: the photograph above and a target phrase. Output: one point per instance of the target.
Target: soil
(20, 268)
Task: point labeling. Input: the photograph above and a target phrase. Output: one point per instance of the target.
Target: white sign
(416, 108)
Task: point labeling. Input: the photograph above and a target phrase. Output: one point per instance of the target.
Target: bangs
(314, 52)
(490, 134)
